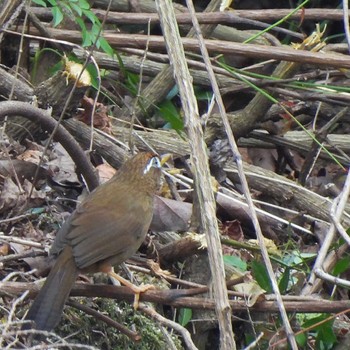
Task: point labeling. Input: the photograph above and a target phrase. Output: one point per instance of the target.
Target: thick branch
(175, 298)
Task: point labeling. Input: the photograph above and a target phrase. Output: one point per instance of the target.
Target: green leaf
(341, 266)
(40, 3)
(57, 15)
(326, 338)
(308, 255)
(236, 262)
(68, 9)
(37, 211)
(57, 67)
(81, 23)
(86, 36)
(169, 113)
(132, 81)
(311, 320)
(260, 274)
(172, 93)
(76, 8)
(301, 339)
(87, 39)
(249, 338)
(52, 2)
(185, 316)
(106, 47)
(284, 281)
(93, 74)
(96, 29)
(203, 95)
(323, 332)
(121, 64)
(91, 16)
(84, 4)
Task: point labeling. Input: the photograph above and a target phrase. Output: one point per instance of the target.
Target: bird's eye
(154, 162)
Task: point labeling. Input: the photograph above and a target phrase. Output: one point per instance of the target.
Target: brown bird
(105, 229)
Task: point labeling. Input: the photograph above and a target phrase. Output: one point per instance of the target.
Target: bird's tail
(47, 307)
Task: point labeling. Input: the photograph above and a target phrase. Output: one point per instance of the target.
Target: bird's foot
(138, 290)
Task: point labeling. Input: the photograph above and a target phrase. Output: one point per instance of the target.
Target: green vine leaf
(57, 16)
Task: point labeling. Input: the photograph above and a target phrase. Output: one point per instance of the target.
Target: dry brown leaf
(170, 215)
(105, 172)
(264, 158)
(64, 166)
(233, 229)
(101, 118)
(23, 170)
(10, 196)
(4, 249)
(251, 290)
(31, 155)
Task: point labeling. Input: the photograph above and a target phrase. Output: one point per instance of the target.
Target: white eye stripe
(154, 162)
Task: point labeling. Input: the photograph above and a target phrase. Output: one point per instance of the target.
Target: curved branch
(39, 116)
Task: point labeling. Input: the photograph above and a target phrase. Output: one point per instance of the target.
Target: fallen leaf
(105, 172)
(23, 170)
(10, 195)
(101, 119)
(170, 215)
(4, 249)
(251, 290)
(233, 229)
(65, 169)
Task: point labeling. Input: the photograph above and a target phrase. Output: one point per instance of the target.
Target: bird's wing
(98, 233)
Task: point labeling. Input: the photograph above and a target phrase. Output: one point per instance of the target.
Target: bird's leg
(136, 289)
